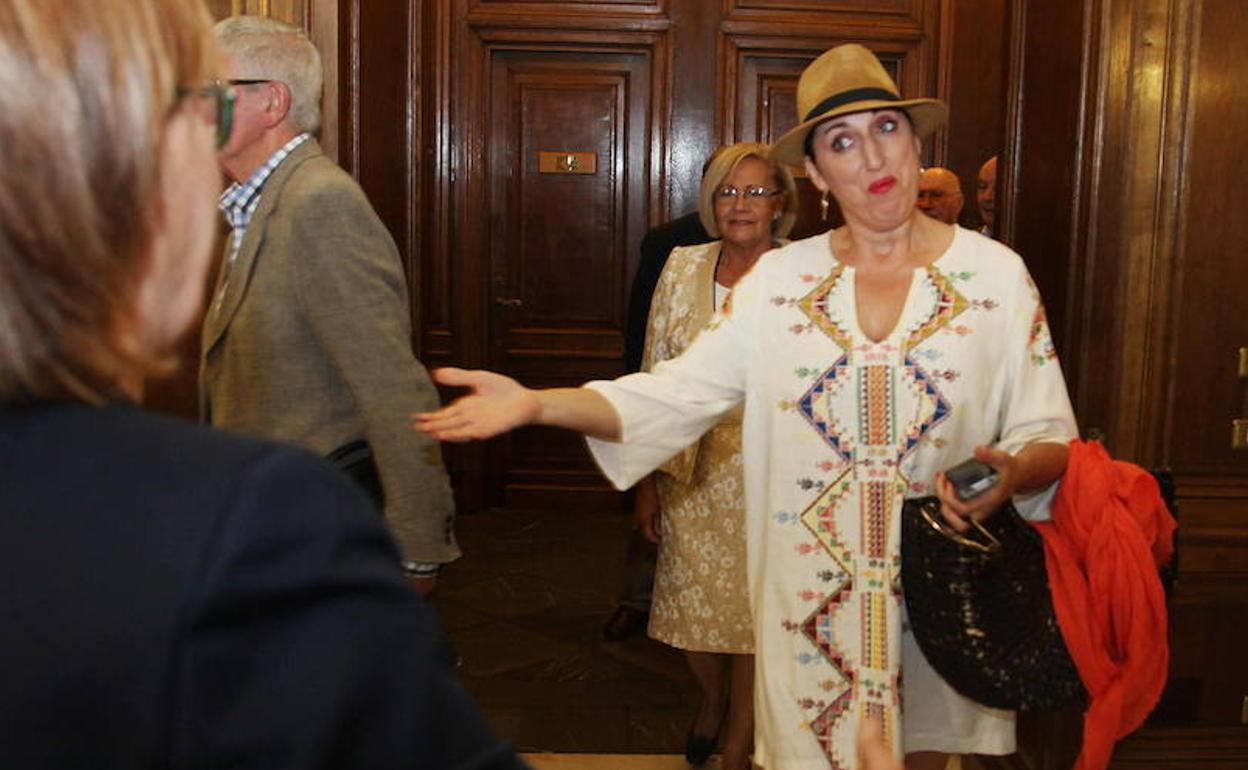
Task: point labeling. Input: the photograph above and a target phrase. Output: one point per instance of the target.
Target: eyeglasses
(220, 100)
(753, 194)
(248, 81)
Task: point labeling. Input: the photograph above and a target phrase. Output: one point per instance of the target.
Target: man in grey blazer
(307, 337)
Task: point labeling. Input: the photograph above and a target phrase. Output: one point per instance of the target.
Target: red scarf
(1110, 532)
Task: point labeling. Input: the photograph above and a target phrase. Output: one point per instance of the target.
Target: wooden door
(568, 146)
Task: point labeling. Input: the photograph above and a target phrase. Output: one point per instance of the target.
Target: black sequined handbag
(980, 609)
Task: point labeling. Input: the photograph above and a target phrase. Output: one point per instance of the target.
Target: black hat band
(848, 97)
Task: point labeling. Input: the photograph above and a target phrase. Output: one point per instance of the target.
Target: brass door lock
(1239, 433)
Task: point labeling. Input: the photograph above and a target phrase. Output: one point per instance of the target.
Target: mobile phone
(971, 478)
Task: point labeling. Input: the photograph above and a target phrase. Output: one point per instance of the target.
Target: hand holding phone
(971, 478)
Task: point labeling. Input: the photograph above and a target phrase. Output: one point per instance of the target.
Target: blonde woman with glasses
(693, 505)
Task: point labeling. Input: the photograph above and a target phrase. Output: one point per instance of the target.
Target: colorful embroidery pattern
(820, 519)
(893, 404)
(933, 408)
(817, 305)
(877, 502)
(814, 406)
(875, 631)
(875, 400)
(949, 304)
(1040, 341)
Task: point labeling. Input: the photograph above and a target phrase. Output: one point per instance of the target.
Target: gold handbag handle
(937, 522)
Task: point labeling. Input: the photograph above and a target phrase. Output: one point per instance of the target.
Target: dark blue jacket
(176, 597)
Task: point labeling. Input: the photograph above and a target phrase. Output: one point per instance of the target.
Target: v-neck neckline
(916, 276)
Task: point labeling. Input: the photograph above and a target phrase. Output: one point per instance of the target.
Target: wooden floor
(611, 762)
(524, 609)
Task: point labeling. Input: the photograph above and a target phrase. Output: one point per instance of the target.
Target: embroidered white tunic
(838, 430)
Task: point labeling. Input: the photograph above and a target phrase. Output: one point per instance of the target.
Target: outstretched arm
(497, 404)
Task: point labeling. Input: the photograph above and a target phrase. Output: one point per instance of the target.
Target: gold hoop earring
(823, 206)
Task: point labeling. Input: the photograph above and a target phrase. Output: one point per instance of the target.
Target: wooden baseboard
(1184, 748)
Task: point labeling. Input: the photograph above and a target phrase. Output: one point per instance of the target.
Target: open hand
(958, 512)
(494, 405)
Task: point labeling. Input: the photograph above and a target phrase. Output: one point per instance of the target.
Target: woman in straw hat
(869, 358)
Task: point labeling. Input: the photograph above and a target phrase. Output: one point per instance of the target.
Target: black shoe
(698, 748)
(623, 623)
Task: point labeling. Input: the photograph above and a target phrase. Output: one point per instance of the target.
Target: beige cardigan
(683, 305)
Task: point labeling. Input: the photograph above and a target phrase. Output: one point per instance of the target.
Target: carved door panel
(567, 191)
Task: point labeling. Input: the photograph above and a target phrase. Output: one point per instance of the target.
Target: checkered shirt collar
(239, 201)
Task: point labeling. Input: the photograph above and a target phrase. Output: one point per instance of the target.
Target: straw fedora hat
(845, 79)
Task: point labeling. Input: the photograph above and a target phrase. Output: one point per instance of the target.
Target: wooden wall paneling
(1210, 261)
(1195, 382)
(1191, 748)
(1127, 224)
(1148, 178)
(694, 130)
(293, 12)
(462, 248)
(866, 13)
(1007, 165)
(528, 9)
(385, 131)
(1050, 152)
(325, 28)
(974, 67)
(440, 269)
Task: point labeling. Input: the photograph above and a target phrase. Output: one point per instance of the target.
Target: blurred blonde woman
(173, 597)
(693, 505)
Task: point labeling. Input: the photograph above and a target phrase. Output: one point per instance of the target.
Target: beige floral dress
(700, 601)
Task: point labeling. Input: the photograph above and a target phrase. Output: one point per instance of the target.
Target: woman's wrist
(1037, 465)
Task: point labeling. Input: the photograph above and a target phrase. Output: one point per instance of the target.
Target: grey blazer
(312, 344)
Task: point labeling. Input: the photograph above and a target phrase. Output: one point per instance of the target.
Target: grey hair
(273, 50)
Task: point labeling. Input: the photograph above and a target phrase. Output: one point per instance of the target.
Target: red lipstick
(881, 186)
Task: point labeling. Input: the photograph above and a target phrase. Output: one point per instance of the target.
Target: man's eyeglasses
(753, 194)
(219, 98)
